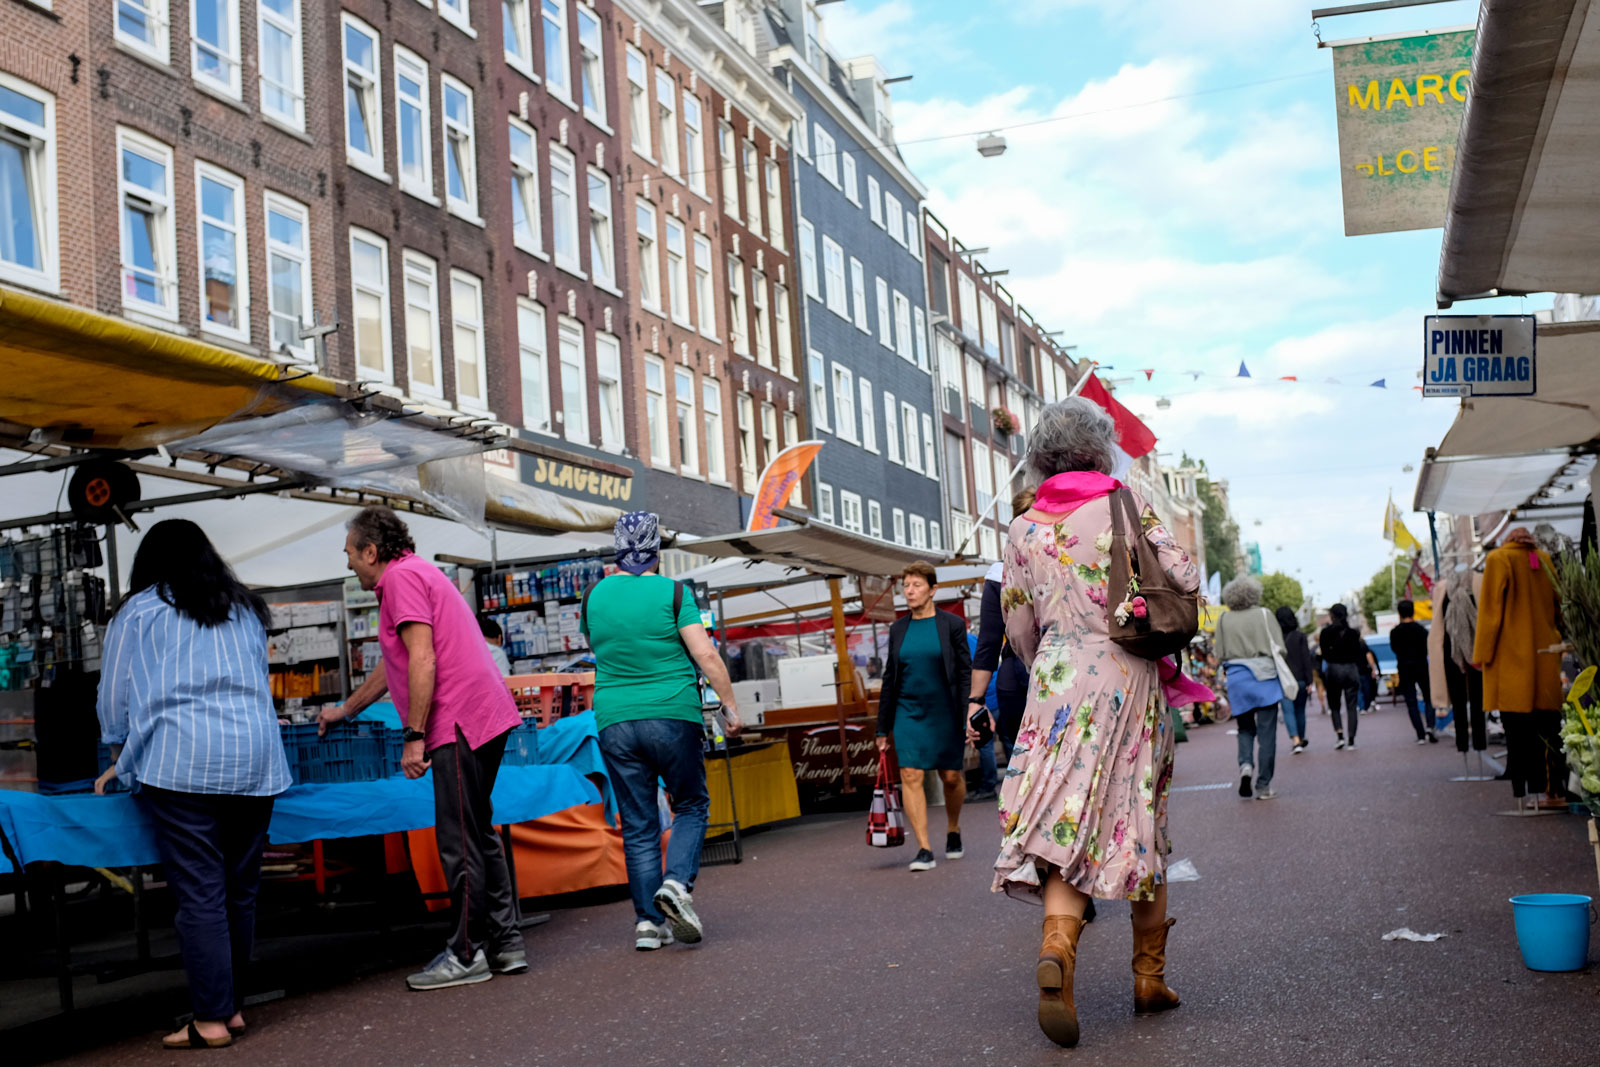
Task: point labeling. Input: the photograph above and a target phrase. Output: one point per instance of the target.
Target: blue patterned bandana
(638, 540)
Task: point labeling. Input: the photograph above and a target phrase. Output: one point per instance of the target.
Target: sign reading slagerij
(1479, 355)
(1399, 104)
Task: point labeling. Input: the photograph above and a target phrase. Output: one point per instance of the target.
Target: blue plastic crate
(522, 745)
(349, 752)
(394, 749)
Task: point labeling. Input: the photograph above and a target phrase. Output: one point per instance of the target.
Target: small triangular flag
(1381, 383)
(1194, 375)
(1148, 371)
(1244, 372)
(1288, 378)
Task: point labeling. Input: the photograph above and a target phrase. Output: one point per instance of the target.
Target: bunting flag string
(1245, 372)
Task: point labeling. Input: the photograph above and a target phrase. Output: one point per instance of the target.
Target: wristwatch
(413, 735)
(979, 701)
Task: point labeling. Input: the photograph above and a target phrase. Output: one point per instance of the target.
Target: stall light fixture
(991, 145)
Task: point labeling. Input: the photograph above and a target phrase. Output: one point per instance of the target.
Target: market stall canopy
(1524, 214)
(91, 380)
(1503, 452)
(820, 549)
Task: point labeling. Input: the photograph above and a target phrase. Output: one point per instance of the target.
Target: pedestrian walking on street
(923, 707)
(1083, 805)
(458, 714)
(981, 710)
(648, 639)
(1303, 666)
(1249, 642)
(1368, 689)
(1342, 651)
(1464, 681)
(185, 703)
(1409, 640)
(1517, 614)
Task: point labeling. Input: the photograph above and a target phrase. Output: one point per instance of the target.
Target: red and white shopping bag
(886, 823)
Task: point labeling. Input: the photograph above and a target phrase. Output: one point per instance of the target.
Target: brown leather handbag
(1146, 613)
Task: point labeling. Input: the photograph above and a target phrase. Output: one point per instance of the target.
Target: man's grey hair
(1242, 594)
(1074, 434)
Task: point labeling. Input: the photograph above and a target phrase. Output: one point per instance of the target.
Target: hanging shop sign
(575, 479)
(1399, 103)
(778, 482)
(1479, 355)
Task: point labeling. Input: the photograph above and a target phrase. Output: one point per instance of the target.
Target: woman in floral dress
(1084, 802)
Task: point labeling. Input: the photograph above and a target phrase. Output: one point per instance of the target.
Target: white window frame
(592, 65)
(469, 319)
(989, 318)
(422, 270)
(780, 320)
(241, 252)
(775, 227)
(869, 416)
(850, 514)
(920, 333)
(808, 259)
(276, 203)
(371, 88)
(291, 26)
(564, 168)
(647, 239)
(982, 477)
(852, 187)
(749, 461)
(902, 328)
(875, 201)
(967, 303)
(914, 245)
(892, 215)
(899, 517)
(525, 174)
(686, 421)
(935, 538)
(838, 285)
(875, 519)
(955, 470)
(160, 204)
(930, 448)
(417, 185)
(728, 163)
(844, 403)
(705, 286)
(602, 229)
(533, 363)
(763, 318)
(817, 372)
(976, 390)
(858, 295)
(559, 83)
(38, 144)
(158, 19)
(825, 502)
(919, 531)
(228, 54)
(640, 124)
(608, 389)
(667, 122)
(751, 166)
(385, 327)
(457, 14)
(517, 14)
(891, 427)
(573, 374)
(802, 138)
(885, 316)
(1002, 489)
(464, 135)
(827, 155)
(738, 313)
(711, 421)
(912, 451)
(677, 247)
(658, 420)
(694, 143)
(951, 377)
(769, 431)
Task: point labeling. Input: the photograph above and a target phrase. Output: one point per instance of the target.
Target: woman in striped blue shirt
(186, 704)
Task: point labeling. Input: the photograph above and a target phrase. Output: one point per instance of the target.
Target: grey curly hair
(1072, 435)
(1242, 594)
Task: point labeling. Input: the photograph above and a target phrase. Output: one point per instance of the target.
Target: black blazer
(957, 668)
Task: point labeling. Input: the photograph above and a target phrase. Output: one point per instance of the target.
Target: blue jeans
(988, 772)
(1259, 725)
(637, 753)
(1294, 712)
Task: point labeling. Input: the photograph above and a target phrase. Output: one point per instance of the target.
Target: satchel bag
(1148, 615)
(886, 822)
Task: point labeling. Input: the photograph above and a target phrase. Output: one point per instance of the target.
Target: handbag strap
(883, 770)
(1122, 516)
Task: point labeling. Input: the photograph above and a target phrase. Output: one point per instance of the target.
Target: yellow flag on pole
(1395, 530)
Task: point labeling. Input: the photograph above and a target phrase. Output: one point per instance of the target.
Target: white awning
(820, 549)
(1524, 214)
(1502, 452)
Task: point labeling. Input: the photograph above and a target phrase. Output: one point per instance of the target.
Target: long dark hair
(179, 561)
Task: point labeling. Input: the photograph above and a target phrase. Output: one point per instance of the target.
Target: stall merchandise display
(540, 611)
(52, 608)
(304, 656)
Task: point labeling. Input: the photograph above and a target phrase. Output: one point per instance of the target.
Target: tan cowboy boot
(1058, 1016)
(1150, 992)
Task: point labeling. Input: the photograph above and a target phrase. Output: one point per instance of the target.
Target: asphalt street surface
(821, 950)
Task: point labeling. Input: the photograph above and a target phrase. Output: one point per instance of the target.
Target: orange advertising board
(778, 482)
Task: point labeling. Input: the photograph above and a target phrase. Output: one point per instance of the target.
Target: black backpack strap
(677, 601)
(583, 612)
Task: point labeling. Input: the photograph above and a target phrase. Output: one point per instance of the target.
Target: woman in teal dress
(922, 706)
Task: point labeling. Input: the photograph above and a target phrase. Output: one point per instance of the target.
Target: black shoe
(1433, 737)
(952, 846)
(924, 861)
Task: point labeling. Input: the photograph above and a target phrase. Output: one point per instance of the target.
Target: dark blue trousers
(211, 848)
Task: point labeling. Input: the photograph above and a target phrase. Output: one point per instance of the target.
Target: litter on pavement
(1405, 933)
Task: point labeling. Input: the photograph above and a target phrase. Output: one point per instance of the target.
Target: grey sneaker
(1266, 792)
(510, 961)
(677, 904)
(647, 936)
(446, 971)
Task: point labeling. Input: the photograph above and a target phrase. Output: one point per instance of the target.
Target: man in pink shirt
(458, 712)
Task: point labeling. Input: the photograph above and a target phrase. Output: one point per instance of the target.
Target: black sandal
(194, 1039)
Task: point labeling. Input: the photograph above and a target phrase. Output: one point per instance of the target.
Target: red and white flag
(1134, 438)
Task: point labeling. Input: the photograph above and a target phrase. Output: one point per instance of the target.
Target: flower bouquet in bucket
(1581, 742)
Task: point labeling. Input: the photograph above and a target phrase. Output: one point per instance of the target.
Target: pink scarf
(1066, 493)
(1180, 689)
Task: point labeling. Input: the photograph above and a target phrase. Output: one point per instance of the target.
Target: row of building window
(903, 330)
(838, 167)
(914, 530)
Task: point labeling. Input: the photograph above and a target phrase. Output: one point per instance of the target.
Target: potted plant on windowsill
(1005, 423)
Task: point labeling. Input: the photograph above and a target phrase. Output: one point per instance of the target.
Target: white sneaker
(647, 936)
(677, 904)
(1266, 794)
(1351, 746)
(1342, 743)
(446, 971)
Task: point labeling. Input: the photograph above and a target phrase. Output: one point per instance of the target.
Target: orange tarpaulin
(561, 853)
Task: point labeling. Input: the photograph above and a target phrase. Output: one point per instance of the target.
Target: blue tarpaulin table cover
(86, 830)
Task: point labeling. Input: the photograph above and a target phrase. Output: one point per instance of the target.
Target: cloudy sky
(1184, 214)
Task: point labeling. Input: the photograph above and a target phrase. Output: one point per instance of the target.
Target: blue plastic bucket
(1552, 930)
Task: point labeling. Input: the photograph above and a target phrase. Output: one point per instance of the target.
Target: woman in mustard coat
(1521, 680)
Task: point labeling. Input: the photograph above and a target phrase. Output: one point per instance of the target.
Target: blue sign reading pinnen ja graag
(1478, 355)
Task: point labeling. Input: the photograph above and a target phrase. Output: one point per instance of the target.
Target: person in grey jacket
(1304, 668)
(1247, 638)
